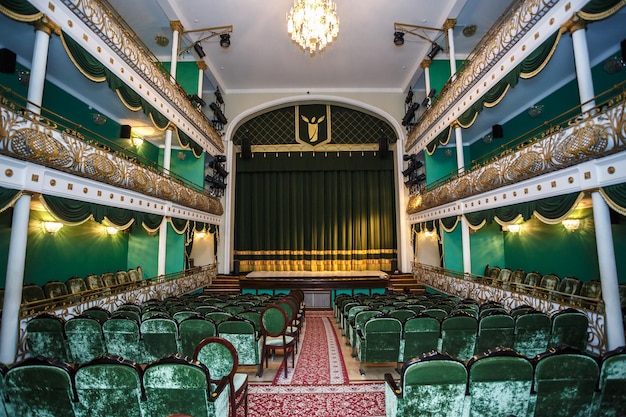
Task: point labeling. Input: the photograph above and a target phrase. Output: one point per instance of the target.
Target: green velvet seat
(420, 335)
(274, 323)
(218, 316)
(160, 337)
(521, 309)
(437, 313)
(182, 315)
(565, 382)
(612, 385)
(458, 335)
(401, 314)
(109, 280)
(45, 336)
(94, 282)
(122, 338)
(350, 330)
(109, 386)
(220, 357)
(76, 287)
(532, 333)
(254, 317)
(496, 330)
(55, 289)
(128, 314)
(204, 309)
(344, 319)
(500, 384)
(97, 313)
(244, 337)
(359, 319)
(130, 307)
(31, 293)
(432, 385)
(85, 340)
(379, 341)
(233, 309)
(38, 387)
(177, 385)
(569, 327)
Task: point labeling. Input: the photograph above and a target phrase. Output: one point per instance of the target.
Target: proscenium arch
(225, 250)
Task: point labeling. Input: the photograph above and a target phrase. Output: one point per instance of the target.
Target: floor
(373, 372)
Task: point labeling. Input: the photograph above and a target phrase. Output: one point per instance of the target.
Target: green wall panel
(186, 75)
(175, 258)
(487, 247)
(452, 250)
(143, 251)
(186, 165)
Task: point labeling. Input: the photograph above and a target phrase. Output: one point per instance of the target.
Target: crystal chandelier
(313, 23)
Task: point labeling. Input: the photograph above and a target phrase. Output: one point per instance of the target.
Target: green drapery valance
(532, 65)
(615, 196)
(449, 223)
(600, 9)
(8, 198)
(97, 72)
(20, 10)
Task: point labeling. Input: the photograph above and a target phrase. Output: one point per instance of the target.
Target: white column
(426, 65)
(167, 152)
(177, 29)
(448, 26)
(226, 244)
(608, 272)
(583, 66)
(465, 242)
(38, 67)
(162, 247)
(9, 330)
(460, 158)
(201, 67)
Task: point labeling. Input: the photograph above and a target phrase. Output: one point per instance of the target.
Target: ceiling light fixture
(313, 24)
(52, 227)
(571, 224)
(99, 118)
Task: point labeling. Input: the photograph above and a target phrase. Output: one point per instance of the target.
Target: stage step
(399, 282)
(224, 284)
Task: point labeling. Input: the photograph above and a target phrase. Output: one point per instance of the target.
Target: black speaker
(125, 132)
(383, 147)
(246, 147)
(7, 61)
(623, 46)
(497, 132)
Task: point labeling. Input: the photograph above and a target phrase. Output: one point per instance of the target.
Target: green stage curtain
(20, 10)
(8, 197)
(318, 213)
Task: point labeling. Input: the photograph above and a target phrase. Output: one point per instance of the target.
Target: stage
(320, 287)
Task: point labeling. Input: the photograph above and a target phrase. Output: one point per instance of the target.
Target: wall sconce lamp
(200, 235)
(513, 228)
(535, 111)
(429, 233)
(571, 224)
(52, 227)
(110, 230)
(137, 141)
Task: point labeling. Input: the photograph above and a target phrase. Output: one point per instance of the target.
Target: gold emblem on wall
(313, 124)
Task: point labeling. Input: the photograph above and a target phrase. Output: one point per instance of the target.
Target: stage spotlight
(218, 96)
(398, 38)
(410, 114)
(218, 113)
(225, 40)
(197, 99)
(432, 93)
(220, 158)
(434, 50)
(198, 48)
(409, 97)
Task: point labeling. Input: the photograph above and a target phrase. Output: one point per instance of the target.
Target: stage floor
(316, 274)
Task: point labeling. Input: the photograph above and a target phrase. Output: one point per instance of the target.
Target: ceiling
(262, 57)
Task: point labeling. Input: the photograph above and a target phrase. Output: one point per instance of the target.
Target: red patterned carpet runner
(318, 385)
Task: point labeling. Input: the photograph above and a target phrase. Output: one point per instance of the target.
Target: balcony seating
(274, 323)
(53, 289)
(458, 335)
(517, 277)
(122, 277)
(591, 289)
(176, 384)
(565, 382)
(243, 336)
(495, 330)
(192, 331)
(532, 333)
(31, 293)
(108, 279)
(531, 281)
(549, 283)
(379, 341)
(569, 327)
(504, 278)
(85, 340)
(612, 401)
(420, 335)
(160, 337)
(109, 386)
(500, 383)
(220, 357)
(432, 385)
(45, 336)
(39, 387)
(75, 285)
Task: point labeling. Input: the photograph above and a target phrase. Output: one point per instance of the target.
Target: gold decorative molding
(449, 24)
(46, 25)
(176, 26)
(426, 63)
(574, 24)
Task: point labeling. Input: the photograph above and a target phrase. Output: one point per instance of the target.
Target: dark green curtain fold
(20, 10)
(315, 217)
(601, 9)
(449, 222)
(615, 195)
(555, 207)
(7, 196)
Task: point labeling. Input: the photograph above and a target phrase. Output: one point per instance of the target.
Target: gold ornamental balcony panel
(591, 135)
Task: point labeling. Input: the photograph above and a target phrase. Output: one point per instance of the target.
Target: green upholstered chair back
(218, 316)
(233, 309)
(54, 289)
(109, 386)
(31, 293)
(204, 309)
(130, 307)
(382, 340)
(494, 331)
(521, 309)
(401, 314)
(433, 385)
(353, 312)
(122, 277)
(39, 387)
(504, 275)
(192, 331)
(417, 308)
(76, 285)
(85, 340)
(549, 282)
(97, 313)
(565, 382)
(178, 385)
(518, 276)
(134, 275)
(494, 272)
(184, 314)
(569, 327)
(254, 317)
(591, 289)
(437, 313)
(122, 338)
(458, 335)
(108, 279)
(421, 335)
(94, 282)
(612, 384)
(45, 336)
(127, 313)
(160, 337)
(244, 338)
(532, 333)
(274, 320)
(500, 383)
(219, 356)
(532, 279)
(156, 313)
(570, 285)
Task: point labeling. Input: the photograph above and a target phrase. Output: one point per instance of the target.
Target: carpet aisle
(319, 385)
